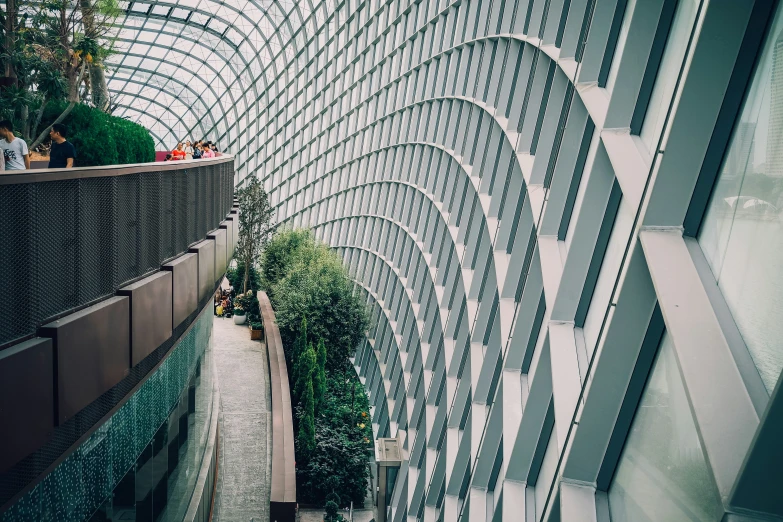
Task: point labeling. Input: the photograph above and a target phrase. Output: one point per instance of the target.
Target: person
(178, 153)
(2, 162)
(63, 152)
(168, 157)
(188, 150)
(197, 151)
(207, 153)
(16, 156)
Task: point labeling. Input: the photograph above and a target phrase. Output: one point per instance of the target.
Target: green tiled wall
(85, 479)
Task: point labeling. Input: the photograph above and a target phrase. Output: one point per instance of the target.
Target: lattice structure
(518, 189)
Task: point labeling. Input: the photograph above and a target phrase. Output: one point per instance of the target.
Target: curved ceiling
(189, 69)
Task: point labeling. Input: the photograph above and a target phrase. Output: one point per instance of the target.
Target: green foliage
(305, 279)
(319, 376)
(331, 514)
(314, 284)
(256, 325)
(300, 346)
(255, 225)
(248, 302)
(280, 254)
(305, 439)
(343, 441)
(102, 139)
(236, 276)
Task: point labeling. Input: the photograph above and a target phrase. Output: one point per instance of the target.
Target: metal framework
(519, 189)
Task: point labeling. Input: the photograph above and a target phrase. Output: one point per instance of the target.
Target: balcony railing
(69, 238)
(103, 270)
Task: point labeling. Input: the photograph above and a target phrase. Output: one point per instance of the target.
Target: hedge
(102, 139)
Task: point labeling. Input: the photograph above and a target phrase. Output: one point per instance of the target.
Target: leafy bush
(235, 277)
(249, 304)
(102, 139)
(313, 283)
(281, 253)
(343, 438)
(316, 305)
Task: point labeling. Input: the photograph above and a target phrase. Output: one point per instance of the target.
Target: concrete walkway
(245, 465)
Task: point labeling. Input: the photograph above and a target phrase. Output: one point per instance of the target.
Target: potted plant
(256, 331)
(239, 314)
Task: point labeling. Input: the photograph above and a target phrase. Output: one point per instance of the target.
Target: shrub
(315, 302)
(305, 440)
(281, 253)
(317, 286)
(102, 139)
(236, 276)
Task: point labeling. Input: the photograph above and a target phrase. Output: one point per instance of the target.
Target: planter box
(256, 335)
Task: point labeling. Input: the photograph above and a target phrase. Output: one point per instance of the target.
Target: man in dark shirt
(63, 152)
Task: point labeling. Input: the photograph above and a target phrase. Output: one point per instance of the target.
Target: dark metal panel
(184, 283)
(26, 399)
(90, 353)
(150, 314)
(206, 266)
(221, 255)
(228, 226)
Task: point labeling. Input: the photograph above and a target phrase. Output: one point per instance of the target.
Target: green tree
(319, 377)
(317, 285)
(331, 514)
(306, 436)
(285, 249)
(255, 225)
(299, 347)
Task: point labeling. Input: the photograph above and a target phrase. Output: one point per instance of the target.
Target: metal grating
(68, 243)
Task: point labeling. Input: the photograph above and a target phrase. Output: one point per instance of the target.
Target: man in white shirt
(15, 152)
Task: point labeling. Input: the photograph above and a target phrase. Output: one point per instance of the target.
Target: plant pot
(240, 319)
(256, 335)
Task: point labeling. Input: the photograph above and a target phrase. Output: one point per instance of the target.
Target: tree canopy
(53, 51)
(255, 225)
(322, 318)
(312, 282)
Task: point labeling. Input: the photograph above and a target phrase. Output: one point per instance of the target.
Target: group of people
(224, 302)
(187, 150)
(16, 155)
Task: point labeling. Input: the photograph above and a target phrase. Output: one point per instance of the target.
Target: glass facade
(141, 464)
(506, 229)
(662, 474)
(742, 232)
(668, 72)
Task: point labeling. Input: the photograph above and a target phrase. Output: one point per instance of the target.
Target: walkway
(245, 403)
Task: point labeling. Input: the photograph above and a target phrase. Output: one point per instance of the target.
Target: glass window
(668, 71)
(742, 233)
(620, 47)
(662, 474)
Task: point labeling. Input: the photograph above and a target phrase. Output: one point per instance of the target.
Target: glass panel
(620, 47)
(142, 463)
(662, 474)
(546, 474)
(676, 44)
(742, 234)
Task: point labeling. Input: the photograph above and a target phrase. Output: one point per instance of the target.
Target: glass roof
(193, 69)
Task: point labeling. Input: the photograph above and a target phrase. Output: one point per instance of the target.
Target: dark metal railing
(69, 238)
